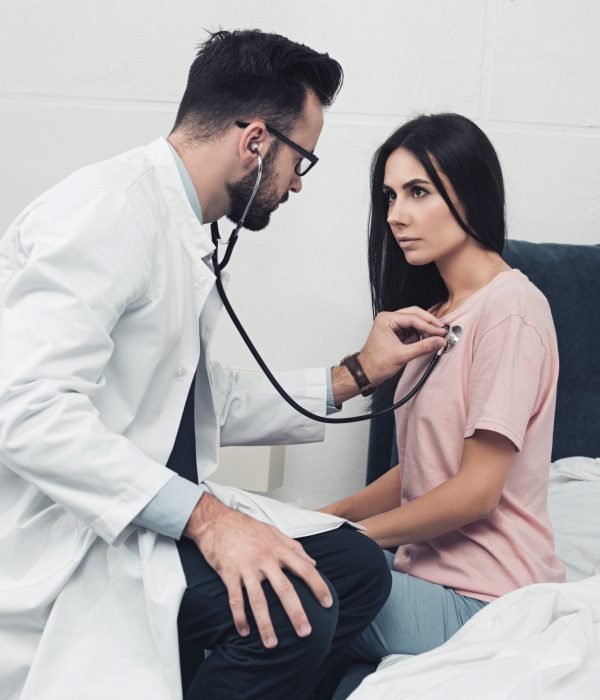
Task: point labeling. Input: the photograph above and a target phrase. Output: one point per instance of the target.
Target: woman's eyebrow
(415, 181)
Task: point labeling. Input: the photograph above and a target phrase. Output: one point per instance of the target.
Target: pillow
(568, 276)
(574, 510)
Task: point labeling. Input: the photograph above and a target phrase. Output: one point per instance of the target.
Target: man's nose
(296, 183)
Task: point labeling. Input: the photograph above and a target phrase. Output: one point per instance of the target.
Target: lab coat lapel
(201, 289)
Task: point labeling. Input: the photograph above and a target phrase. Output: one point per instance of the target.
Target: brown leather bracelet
(352, 363)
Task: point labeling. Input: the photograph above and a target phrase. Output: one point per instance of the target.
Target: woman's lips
(406, 242)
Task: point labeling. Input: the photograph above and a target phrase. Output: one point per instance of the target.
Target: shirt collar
(188, 185)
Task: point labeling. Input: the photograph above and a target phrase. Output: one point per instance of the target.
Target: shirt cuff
(168, 512)
(331, 407)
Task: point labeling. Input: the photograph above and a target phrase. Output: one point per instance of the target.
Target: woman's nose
(397, 214)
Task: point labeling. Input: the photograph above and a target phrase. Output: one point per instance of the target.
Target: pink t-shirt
(502, 377)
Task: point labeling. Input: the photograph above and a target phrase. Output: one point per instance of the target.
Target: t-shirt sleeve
(505, 382)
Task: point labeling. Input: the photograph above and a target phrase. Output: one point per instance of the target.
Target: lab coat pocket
(37, 543)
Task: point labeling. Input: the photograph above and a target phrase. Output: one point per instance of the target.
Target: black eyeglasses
(308, 159)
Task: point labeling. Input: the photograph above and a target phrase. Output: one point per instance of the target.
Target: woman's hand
(331, 509)
(380, 496)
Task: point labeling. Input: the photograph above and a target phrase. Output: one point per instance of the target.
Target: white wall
(81, 80)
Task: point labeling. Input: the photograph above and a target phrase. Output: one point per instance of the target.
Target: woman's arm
(472, 494)
(378, 497)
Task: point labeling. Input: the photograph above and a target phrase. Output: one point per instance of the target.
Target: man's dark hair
(240, 75)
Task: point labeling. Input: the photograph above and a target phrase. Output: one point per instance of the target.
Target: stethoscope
(453, 333)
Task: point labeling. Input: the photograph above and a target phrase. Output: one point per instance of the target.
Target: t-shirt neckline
(472, 297)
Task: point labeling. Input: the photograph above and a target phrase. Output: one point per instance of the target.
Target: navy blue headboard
(569, 276)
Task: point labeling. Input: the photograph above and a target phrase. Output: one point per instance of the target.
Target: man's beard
(266, 199)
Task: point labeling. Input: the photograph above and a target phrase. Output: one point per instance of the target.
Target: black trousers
(240, 667)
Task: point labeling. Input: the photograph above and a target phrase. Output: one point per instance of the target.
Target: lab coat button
(180, 373)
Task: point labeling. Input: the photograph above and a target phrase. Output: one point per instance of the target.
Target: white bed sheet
(574, 510)
(541, 641)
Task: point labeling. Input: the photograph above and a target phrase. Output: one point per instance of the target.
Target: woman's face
(419, 218)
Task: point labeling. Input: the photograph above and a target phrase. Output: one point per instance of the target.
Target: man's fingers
(243, 563)
(418, 325)
(312, 578)
(299, 549)
(423, 347)
(404, 315)
(260, 610)
(290, 601)
(236, 605)
(424, 325)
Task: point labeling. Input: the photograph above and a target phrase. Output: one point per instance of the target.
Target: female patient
(466, 505)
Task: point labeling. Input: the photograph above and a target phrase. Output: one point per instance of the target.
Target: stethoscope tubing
(294, 404)
(220, 266)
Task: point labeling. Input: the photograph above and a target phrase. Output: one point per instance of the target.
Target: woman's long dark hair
(467, 158)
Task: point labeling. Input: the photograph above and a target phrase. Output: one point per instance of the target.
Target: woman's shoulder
(512, 294)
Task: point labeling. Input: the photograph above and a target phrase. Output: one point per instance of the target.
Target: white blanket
(573, 498)
(541, 641)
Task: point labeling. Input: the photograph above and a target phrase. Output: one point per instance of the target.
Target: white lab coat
(102, 285)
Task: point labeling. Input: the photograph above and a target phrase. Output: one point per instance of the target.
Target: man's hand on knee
(245, 552)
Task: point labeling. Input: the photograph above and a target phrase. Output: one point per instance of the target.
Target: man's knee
(374, 569)
(364, 566)
(323, 622)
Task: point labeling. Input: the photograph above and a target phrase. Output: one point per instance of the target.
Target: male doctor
(119, 563)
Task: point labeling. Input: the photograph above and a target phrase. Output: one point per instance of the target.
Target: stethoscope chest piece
(453, 335)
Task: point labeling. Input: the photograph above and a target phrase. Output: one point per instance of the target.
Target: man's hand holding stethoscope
(396, 338)
(394, 341)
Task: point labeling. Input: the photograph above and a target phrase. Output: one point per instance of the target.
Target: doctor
(119, 562)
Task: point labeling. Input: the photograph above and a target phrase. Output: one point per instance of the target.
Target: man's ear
(254, 141)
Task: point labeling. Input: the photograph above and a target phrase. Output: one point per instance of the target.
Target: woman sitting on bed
(466, 505)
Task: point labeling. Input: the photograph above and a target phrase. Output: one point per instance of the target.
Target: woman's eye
(389, 196)
(418, 192)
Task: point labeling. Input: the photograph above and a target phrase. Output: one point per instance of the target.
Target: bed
(542, 641)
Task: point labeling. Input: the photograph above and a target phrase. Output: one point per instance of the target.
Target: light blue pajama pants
(418, 616)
